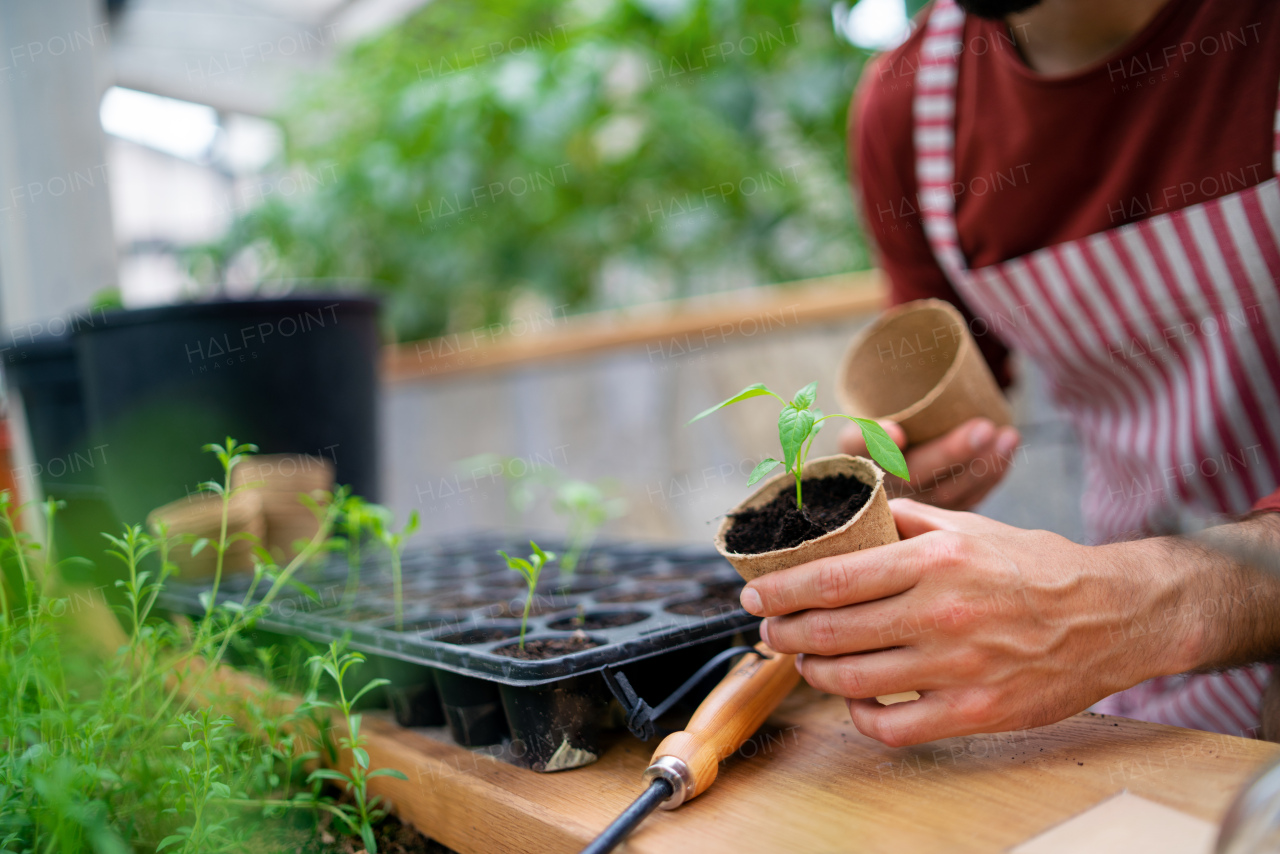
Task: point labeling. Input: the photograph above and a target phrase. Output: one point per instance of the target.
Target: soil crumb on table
(829, 502)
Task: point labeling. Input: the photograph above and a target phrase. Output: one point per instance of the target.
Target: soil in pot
(718, 599)
(829, 502)
(555, 727)
(540, 649)
(643, 593)
(599, 620)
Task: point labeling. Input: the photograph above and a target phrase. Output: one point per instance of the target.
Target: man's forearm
(1228, 609)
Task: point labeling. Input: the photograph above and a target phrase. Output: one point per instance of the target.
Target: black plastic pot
(46, 375)
(294, 375)
(473, 709)
(412, 692)
(555, 727)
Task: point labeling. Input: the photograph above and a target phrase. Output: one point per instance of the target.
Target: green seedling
(529, 570)
(358, 516)
(798, 425)
(229, 455)
(587, 508)
(395, 546)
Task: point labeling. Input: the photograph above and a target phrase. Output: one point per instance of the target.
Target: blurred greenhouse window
(482, 158)
(873, 24)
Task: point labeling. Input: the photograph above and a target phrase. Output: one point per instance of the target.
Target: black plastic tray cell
(649, 609)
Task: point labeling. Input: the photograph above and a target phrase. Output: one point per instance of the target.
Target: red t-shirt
(1183, 113)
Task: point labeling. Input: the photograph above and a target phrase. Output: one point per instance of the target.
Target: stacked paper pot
(266, 503)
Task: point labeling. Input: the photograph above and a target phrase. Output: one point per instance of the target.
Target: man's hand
(1000, 628)
(955, 470)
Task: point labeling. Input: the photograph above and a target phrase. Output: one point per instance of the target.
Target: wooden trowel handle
(727, 717)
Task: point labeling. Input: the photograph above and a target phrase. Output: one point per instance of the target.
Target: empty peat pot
(918, 365)
(872, 525)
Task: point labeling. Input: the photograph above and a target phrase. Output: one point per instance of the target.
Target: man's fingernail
(1007, 442)
(981, 434)
(764, 632)
(751, 601)
(799, 662)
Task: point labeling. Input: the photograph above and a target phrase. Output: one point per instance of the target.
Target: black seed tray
(656, 613)
(653, 600)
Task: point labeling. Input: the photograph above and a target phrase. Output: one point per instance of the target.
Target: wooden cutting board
(809, 782)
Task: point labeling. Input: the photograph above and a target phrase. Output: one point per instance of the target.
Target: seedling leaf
(882, 448)
(386, 772)
(753, 390)
(794, 426)
(806, 396)
(326, 774)
(765, 466)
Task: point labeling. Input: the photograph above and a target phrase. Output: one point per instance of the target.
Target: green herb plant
(529, 570)
(362, 813)
(111, 747)
(798, 425)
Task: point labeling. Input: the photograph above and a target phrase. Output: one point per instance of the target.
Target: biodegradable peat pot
(870, 526)
(280, 479)
(918, 365)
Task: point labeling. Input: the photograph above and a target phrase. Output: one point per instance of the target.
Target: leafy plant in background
(529, 570)
(589, 154)
(798, 425)
(362, 813)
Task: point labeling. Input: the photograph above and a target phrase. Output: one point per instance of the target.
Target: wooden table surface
(809, 782)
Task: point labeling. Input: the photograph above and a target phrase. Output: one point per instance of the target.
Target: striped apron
(1161, 341)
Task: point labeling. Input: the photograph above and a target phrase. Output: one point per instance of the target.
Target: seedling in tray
(798, 425)
(529, 570)
(395, 546)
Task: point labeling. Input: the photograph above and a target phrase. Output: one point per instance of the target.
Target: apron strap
(933, 113)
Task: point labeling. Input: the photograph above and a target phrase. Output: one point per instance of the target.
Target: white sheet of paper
(1125, 824)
